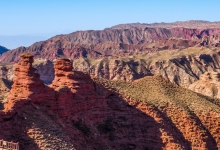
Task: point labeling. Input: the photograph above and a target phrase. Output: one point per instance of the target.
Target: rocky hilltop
(77, 109)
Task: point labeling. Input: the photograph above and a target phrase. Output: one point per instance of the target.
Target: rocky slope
(76, 109)
(213, 41)
(110, 42)
(208, 84)
(182, 67)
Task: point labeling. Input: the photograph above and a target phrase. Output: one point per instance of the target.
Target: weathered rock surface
(208, 84)
(27, 84)
(5, 86)
(182, 67)
(7, 71)
(213, 41)
(76, 109)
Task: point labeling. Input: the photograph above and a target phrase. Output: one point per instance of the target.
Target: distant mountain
(109, 42)
(186, 24)
(3, 49)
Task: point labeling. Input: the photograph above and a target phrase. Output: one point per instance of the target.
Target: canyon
(76, 109)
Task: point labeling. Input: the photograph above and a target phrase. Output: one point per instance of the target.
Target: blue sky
(44, 18)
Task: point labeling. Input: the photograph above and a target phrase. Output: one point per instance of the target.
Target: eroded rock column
(27, 85)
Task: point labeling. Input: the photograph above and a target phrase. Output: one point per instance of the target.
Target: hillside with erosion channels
(182, 67)
(77, 111)
(113, 42)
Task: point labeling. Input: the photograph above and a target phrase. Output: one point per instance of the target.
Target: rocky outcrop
(26, 118)
(7, 71)
(208, 84)
(69, 85)
(211, 41)
(27, 85)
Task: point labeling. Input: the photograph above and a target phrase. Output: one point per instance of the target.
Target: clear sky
(47, 17)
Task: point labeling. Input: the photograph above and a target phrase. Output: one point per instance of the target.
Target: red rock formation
(26, 117)
(27, 84)
(69, 85)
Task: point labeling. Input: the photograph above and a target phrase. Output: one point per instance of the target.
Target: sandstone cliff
(76, 109)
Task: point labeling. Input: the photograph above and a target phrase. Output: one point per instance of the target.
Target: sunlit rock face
(27, 85)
